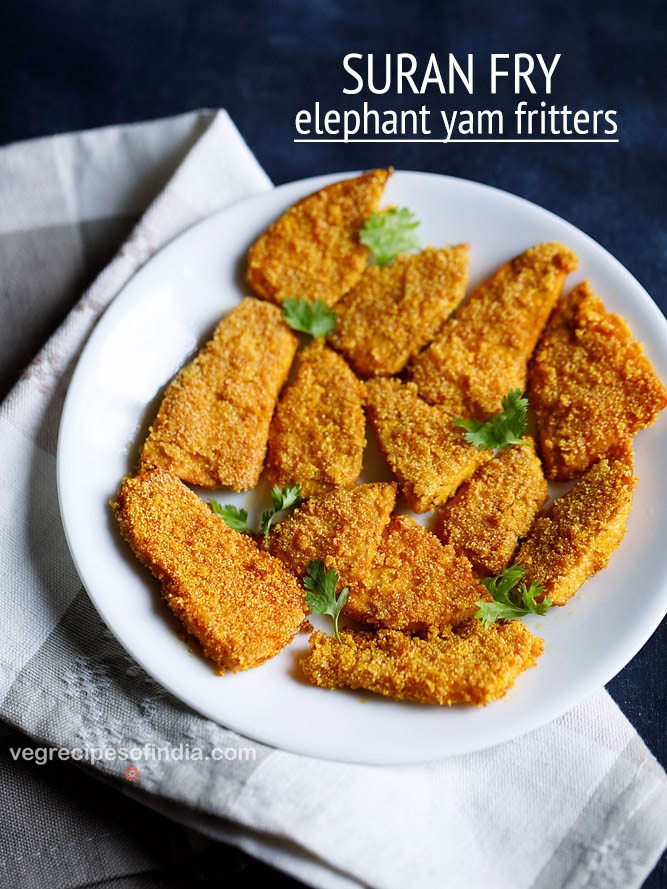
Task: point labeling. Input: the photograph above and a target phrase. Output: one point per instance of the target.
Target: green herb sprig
(231, 515)
(512, 598)
(282, 499)
(321, 597)
(389, 233)
(501, 430)
(316, 319)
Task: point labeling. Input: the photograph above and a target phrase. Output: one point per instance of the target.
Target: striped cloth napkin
(579, 802)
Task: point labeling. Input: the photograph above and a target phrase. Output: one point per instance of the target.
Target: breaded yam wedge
(577, 536)
(342, 528)
(318, 432)
(591, 385)
(395, 310)
(313, 250)
(414, 582)
(427, 453)
(213, 423)
(495, 508)
(483, 351)
(240, 603)
(463, 665)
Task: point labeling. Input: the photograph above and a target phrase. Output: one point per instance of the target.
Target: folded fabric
(579, 802)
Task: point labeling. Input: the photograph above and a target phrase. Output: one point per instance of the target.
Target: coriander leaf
(389, 233)
(321, 598)
(528, 595)
(317, 319)
(511, 597)
(490, 612)
(501, 430)
(231, 515)
(285, 497)
(282, 498)
(265, 524)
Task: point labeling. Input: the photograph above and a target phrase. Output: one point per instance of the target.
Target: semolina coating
(313, 251)
(342, 528)
(426, 452)
(577, 536)
(395, 310)
(591, 385)
(239, 602)
(465, 664)
(318, 432)
(414, 582)
(483, 351)
(495, 508)
(213, 424)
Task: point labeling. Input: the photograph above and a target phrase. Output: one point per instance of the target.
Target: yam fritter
(462, 665)
(591, 385)
(318, 432)
(577, 536)
(483, 351)
(495, 508)
(213, 423)
(394, 310)
(426, 452)
(313, 250)
(342, 528)
(414, 582)
(239, 602)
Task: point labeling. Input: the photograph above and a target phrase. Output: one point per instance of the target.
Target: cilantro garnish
(317, 319)
(501, 430)
(283, 498)
(231, 515)
(511, 597)
(389, 233)
(321, 583)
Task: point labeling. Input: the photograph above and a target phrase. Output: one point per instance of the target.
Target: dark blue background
(72, 64)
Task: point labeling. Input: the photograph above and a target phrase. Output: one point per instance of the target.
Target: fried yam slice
(494, 509)
(213, 423)
(313, 250)
(318, 432)
(483, 351)
(395, 310)
(577, 536)
(591, 385)
(342, 528)
(414, 582)
(463, 665)
(426, 452)
(239, 602)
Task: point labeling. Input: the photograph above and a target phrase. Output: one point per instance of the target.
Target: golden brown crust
(318, 432)
(577, 536)
(483, 351)
(342, 528)
(591, 385)
(395, 310)
(312, 251)
(494, 509)
(239, 602)
(414, 582)
(213, 423)
(426, 452)
(464, 665)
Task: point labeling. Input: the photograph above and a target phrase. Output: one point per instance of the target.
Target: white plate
(156, 324)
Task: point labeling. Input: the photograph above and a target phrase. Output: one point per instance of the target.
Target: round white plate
(156, 324)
